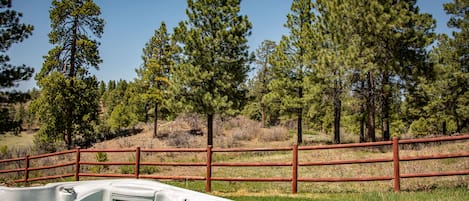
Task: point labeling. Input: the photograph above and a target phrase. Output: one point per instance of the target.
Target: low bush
(144, 169)
(179, 139)
(240, 134)
(100, 157)
(273, 134)
(149, 169)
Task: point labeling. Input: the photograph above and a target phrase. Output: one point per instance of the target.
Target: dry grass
(23, 139)
(241, 132)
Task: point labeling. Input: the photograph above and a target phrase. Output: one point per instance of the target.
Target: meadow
(245, 133)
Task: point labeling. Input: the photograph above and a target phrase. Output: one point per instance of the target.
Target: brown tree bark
(155, 122)
(337, 110)
(385, 107)
(300, 118)
(209, 129)
(370, 104)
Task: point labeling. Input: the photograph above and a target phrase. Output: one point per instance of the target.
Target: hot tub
(105, 190)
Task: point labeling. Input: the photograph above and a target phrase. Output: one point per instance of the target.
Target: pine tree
(261, 81)
(458, 9)
(68, 104)
(292, 62)
(125, 112)
(393, 36)
(336, 53)
(154, 74)
(214, 59)
(102, 88)
(11, 31)
(403, 54)
(447, 94)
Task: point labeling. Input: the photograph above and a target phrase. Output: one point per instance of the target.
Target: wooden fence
(209, 164)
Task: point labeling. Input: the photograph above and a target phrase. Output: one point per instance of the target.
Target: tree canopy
(370, 68)
(68, 104)
(154, 74)
(214, 59)
(11, 32)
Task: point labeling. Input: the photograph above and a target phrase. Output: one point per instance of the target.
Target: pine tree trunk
(155, 122)
(210, 129)
(262, 116)
(362, 117)
(300, 118)
(146, 112)
(68, 139)
(370, 104)
(73, 48)
(263, 93)
(71, 76)
(444, 127)
(362, 126)
(68, 119)
(385, 107)
(337, 109)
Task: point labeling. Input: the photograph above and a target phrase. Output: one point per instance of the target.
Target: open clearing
(431, 188)
(458, 194)
(23, 139)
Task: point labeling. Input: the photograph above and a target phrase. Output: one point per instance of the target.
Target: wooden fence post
(397, 175)
(26, 170)
(208, 178)
(294, 181)
(137, 162)
(77, 165)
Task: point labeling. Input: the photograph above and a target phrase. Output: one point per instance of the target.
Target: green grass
(23, 139)
(244, 192)
(424, 188)
(456, 194)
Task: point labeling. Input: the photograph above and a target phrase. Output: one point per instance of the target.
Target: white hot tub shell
(105, 190)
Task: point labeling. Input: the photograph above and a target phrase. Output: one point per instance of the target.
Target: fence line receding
(396, 159)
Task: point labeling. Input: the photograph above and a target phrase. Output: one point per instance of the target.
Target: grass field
(456, 194)
(23, 139)
(234, 137)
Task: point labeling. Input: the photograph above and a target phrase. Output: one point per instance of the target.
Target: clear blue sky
(130, 24)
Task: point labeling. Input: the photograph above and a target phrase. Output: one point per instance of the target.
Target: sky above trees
(129, 25)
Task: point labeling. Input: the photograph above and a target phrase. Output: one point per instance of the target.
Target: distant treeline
(373, 68)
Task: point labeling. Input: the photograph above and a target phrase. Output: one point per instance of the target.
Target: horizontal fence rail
(396, 159)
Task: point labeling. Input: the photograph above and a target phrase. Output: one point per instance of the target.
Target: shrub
(273, 134)
(3, 151)
(431, 126)
(243, 128)
(226, 142)
(240, 134)
(100, 157)
(130, 169)
(149, 169)
(144, 169)
(127, 169)
(179, 139)
(192, 119)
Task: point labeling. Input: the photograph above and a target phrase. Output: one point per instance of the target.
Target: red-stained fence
(209, 164)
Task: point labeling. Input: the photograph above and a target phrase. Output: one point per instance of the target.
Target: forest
(371, 68)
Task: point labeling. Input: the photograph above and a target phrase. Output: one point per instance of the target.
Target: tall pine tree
(261, 80)
(292, 62)
(154, 75)
(393, 38)
(214, 57)
(68, 104)
(447, 94)
(336, 54)
(11, 31)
